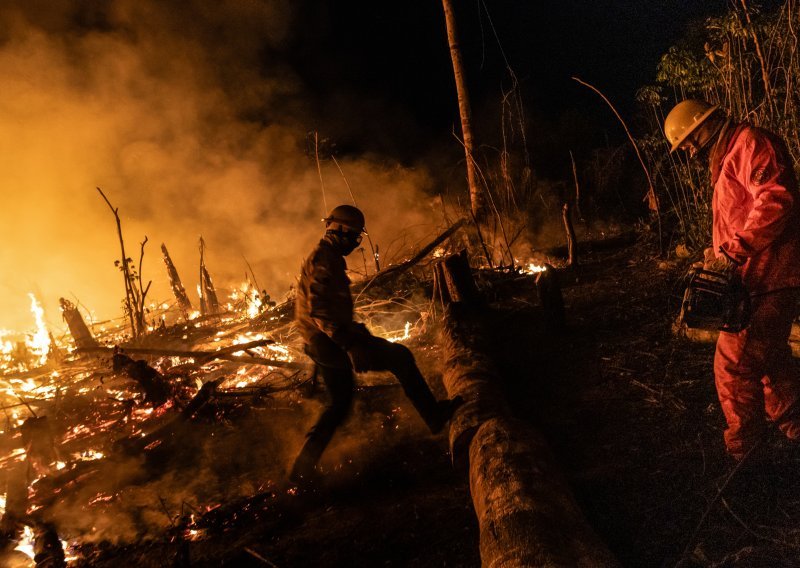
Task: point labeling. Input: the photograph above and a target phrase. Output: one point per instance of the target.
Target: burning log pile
(121, 410)
(104, 406)
(120, 415)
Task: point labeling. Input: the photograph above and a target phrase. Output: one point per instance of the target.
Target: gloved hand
(360, 355)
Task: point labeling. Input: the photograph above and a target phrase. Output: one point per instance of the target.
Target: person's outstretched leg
(398, 359)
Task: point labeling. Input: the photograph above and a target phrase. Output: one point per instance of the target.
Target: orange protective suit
(756, 209)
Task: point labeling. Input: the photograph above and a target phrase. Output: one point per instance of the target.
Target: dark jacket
(323, 303)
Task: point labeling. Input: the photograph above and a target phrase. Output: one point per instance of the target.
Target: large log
(526, 511)
(528, 516)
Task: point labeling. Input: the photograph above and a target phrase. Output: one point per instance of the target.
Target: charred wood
(47, 549)
(175, 283)
(17, 480)
(527, 513)
(155, 387)
(208, 294)
(77, 327)
(167, 432)
(39, 443)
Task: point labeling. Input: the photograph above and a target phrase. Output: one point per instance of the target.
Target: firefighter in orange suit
(339, 346)
(756, 233)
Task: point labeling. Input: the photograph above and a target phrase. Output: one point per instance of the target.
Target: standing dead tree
(476, 196)
(208, 294)
(526, 511)
(569, 229)
(175, 283)
(135, 292)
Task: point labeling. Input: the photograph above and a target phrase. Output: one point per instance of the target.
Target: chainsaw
(715, 300)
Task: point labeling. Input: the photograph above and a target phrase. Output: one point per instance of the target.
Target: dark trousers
(337, 373)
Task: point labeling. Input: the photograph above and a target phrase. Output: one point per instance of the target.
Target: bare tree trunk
(577, 187)
(572, 241)
(475, 193)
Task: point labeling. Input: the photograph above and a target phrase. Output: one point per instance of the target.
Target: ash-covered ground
(629, 409)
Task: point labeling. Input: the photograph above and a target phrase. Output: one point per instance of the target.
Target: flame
(39, 343)
(25, 544)
(400, 336)
(533, 267)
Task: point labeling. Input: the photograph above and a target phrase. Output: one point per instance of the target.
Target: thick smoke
(185, 116)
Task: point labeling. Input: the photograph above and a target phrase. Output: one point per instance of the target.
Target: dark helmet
(345, 218)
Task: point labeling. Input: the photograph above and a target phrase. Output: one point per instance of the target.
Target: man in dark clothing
(339, 346)
(756, 234)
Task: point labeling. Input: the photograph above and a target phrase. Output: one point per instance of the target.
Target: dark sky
(390, 63)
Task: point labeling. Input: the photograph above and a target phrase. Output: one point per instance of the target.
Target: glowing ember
(88, 455)
(531, 267)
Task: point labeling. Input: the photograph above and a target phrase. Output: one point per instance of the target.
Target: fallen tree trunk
(526, 511)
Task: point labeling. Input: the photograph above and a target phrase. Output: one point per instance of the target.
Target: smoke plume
(187, 118)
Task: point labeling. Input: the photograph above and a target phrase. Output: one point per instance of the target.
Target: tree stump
(77, 327)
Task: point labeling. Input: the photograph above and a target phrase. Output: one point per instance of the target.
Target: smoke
(186, 116)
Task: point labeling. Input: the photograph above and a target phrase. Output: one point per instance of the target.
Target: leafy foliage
(747, 62)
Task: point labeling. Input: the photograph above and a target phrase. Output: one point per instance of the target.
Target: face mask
(346, 242)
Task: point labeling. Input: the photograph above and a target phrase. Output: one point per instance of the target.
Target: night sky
(390, 61)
